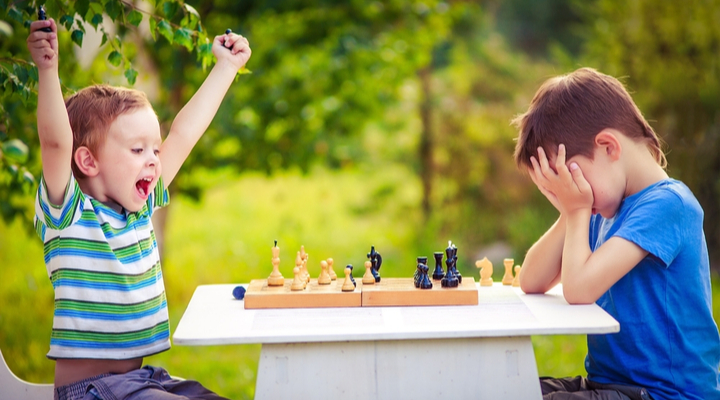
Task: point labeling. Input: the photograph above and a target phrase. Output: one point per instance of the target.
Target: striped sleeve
(57, 217)
(160, 197)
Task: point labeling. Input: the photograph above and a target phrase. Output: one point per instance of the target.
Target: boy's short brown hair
(572, 109)
(93, 109)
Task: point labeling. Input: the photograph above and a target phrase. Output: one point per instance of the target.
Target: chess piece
(299, 266)
(508, 276)
(516, 280)
(298, 281)
(304, 270)
(422, 280)
(451, 261)
(333, 275)
(376, 261)
(352, 278)
(239, 292)
(451, 279)
(42, 17)
(324, 278)
(348, 285)
(276, 278)
(368, 278)
(486, 271)
(416, 274)
(438, 273)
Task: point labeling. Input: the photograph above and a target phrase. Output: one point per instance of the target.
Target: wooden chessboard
(260, 295)
(387, 292)
(402, 292)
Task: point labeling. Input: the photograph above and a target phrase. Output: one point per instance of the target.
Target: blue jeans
(146, 383)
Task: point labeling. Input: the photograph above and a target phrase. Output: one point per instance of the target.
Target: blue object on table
(239, 292)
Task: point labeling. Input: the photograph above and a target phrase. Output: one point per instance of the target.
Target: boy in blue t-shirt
(628, 238)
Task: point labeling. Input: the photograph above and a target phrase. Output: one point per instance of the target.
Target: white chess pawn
(324, 278)
(368, 278)
(298, 283)
(348, 285)
(333, 275)
(516, 280)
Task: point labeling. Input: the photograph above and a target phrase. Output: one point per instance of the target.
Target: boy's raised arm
(232, 52)
(53, 124)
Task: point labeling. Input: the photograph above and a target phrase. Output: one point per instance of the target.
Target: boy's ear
(86, 162)
(607, 140)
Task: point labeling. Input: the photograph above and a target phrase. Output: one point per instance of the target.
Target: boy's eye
(157, 152)
(137, 151)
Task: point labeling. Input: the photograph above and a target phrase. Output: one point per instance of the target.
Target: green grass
(226, 238)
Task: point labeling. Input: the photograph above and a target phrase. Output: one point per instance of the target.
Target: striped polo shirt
(105, 269)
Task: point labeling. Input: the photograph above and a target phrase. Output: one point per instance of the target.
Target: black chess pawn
(439, 272)
(43, 17)
(417, 276)
(352, 278)
(376, 262)
(425, 282)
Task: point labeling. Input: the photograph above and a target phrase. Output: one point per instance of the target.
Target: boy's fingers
(579, 178)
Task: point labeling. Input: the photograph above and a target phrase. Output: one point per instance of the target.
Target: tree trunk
(426, 140)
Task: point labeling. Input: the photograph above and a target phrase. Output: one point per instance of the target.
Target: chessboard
(260, 295)
(402, 292)
(387, 292)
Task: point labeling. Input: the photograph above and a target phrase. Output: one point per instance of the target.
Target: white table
(457, 352)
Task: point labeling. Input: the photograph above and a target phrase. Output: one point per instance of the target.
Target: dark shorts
(146, 383)
(580, 388)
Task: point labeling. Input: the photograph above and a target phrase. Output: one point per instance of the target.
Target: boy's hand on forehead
(43, 46)
(564, 186)
(233, 48)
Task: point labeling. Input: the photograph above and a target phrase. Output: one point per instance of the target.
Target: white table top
(214, 317)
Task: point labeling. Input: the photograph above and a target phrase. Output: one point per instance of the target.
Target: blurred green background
(362, 123)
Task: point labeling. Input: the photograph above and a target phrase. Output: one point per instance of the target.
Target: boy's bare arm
(232, 52)
(541, 267)
(52, 119)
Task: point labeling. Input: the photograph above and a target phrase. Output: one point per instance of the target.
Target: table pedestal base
(462, 368)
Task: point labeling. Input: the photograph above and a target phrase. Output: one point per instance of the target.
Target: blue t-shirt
(668, 341)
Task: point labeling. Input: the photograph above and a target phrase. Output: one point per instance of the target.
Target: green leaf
(191, 10)
(164, 28)
(77, 37)
(67, 21)
(131, 75)
(183, 37)
(15, 14)
(135, 17)
(153, 27)
(28, 177)
(96, 7)
(170, 8)
(104, 39)
(82, 7)
(113, 9)
(205, 55)
(96, 20)
(15, 150)
(115, 58)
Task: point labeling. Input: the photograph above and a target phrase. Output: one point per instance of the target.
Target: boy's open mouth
(143, 185)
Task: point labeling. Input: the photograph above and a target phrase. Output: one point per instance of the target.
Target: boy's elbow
(532, 287)
(575, 295)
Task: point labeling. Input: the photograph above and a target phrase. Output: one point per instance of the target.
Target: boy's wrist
(226, 66)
